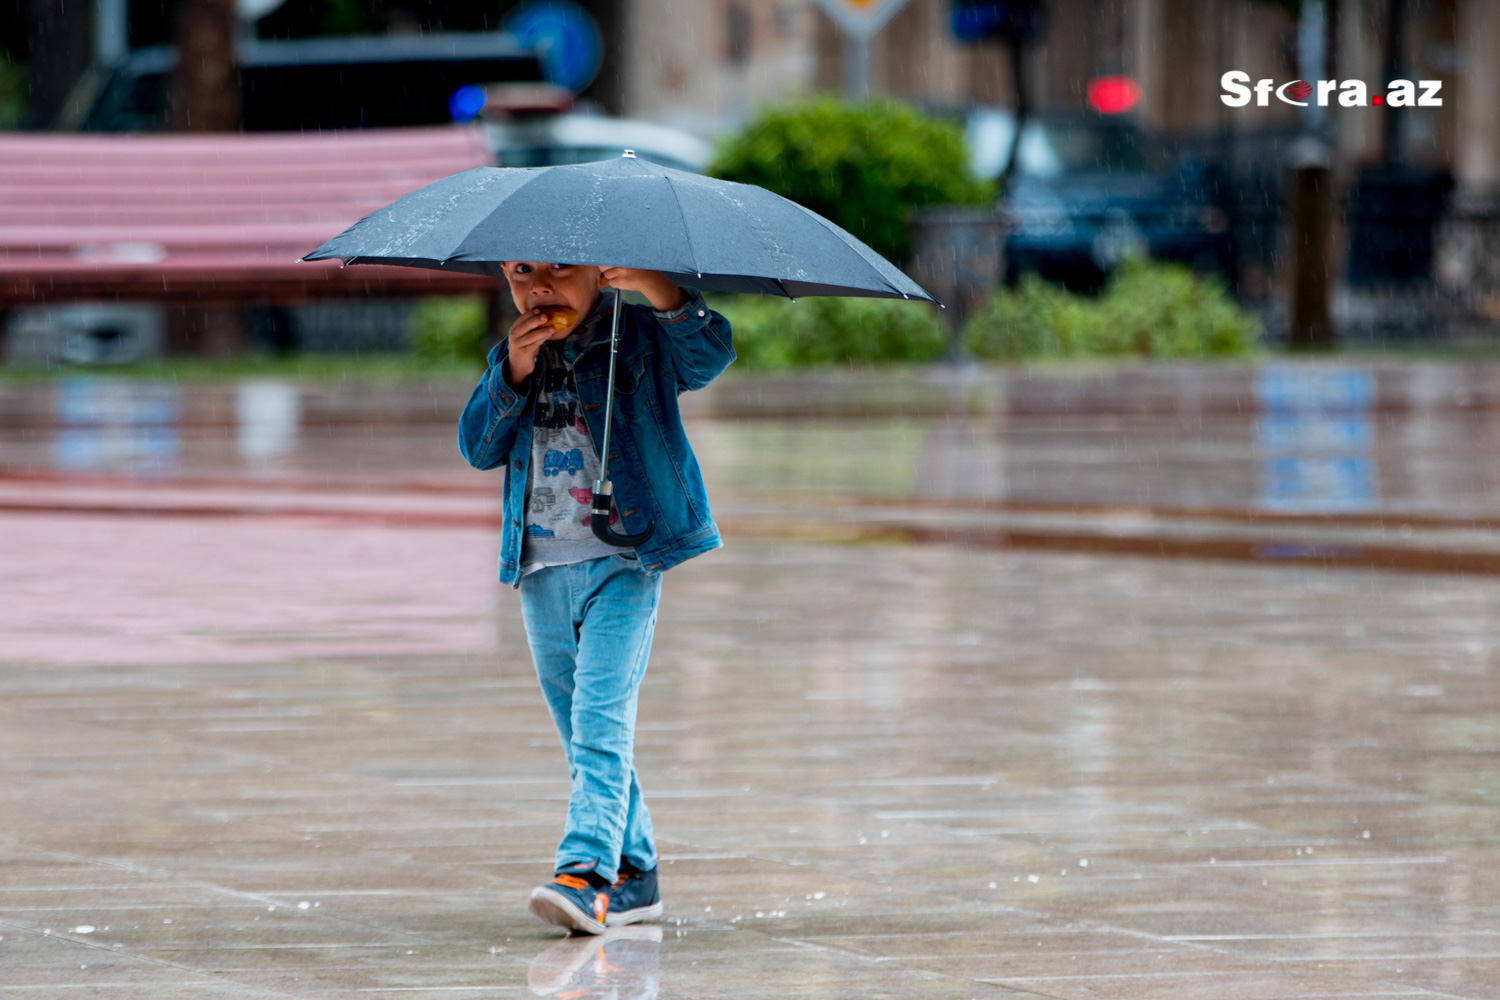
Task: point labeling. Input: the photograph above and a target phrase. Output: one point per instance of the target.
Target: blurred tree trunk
(59, 53)
(206, 86)
(206, 98)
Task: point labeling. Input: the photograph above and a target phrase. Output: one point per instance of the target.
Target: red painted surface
(221, 218)
(84, 590)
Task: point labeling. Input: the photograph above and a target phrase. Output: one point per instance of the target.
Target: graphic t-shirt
(564, 466)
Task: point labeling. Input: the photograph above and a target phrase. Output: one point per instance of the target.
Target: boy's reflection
(619, 964)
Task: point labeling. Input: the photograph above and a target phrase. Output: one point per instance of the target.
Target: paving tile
(845, 749)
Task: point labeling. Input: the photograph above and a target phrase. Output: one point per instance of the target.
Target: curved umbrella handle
(604, 502)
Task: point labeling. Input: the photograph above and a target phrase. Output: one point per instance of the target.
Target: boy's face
(534, 284)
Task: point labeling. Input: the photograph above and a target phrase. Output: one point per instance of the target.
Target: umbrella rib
(825, 224)
(685, 231)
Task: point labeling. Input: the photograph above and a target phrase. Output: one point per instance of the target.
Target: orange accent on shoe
(571, 881)
(601, 906)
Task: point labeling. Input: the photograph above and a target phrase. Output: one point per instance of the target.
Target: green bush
(772, 333)
(860, 165)
(14, 89)
(1148, 309)
(450, 328)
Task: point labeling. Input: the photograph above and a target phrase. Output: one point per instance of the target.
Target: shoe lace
(571, 881)
(621, 879)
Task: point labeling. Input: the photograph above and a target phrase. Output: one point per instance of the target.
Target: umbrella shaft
(609, 392)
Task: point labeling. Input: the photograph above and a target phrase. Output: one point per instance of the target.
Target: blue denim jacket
(655, 476)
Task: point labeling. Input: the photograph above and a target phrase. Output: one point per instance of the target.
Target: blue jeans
(589, 625)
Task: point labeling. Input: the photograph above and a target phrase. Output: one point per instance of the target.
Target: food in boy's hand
(561, 317)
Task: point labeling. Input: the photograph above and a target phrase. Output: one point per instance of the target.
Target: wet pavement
(1331, 464)
(938, 721)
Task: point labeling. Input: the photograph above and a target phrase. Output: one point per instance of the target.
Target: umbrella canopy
(715, 235)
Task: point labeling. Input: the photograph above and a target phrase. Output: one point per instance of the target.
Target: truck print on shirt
(563, 462)
(542, 498)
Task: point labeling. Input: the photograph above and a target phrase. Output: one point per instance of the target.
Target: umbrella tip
(629, 154)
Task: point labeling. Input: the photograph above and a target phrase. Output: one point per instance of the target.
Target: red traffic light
(1113, 95)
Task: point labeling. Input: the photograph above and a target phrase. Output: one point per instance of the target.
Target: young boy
(589, 607)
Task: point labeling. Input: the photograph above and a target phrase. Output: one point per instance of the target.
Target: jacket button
(702, 312)
(516, 523)
(518, 465)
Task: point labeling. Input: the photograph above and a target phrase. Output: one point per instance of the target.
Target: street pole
(111, 31)
(1016, 47)
(856, 67)
(1310, 257)
(859, 21)
(1312, 43)
(1395, 154)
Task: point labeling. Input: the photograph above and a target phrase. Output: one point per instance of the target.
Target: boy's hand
(527, 335)
(661, 291)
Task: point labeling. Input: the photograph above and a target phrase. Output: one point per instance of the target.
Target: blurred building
(1417, 189)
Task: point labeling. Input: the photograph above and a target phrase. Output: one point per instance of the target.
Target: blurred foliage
(14, 89)
(450, 329)
(310, 18)
(861, 165)
(773, 334)
(1148, 309)
(346, 17)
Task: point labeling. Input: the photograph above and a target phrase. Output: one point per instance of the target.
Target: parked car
(1087, 190)
(317, 83)
(94, 333)
(573, 138)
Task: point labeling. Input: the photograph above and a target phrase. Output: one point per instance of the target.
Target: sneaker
(570, 901)
(633, 898)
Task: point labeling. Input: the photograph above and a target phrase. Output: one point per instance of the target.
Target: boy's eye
(561, 267)
(522, 269)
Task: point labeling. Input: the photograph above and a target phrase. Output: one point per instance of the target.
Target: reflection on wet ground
(621, 964)
(1276, 437)
(1339, 465)
(282, 737)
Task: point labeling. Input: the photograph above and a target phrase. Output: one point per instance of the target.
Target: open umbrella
(716, 235)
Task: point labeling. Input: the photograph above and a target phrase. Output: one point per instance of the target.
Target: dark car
(321, 83)
(1087, 190)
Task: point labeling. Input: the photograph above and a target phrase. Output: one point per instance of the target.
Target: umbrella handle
(604, 502)
(604, 498)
